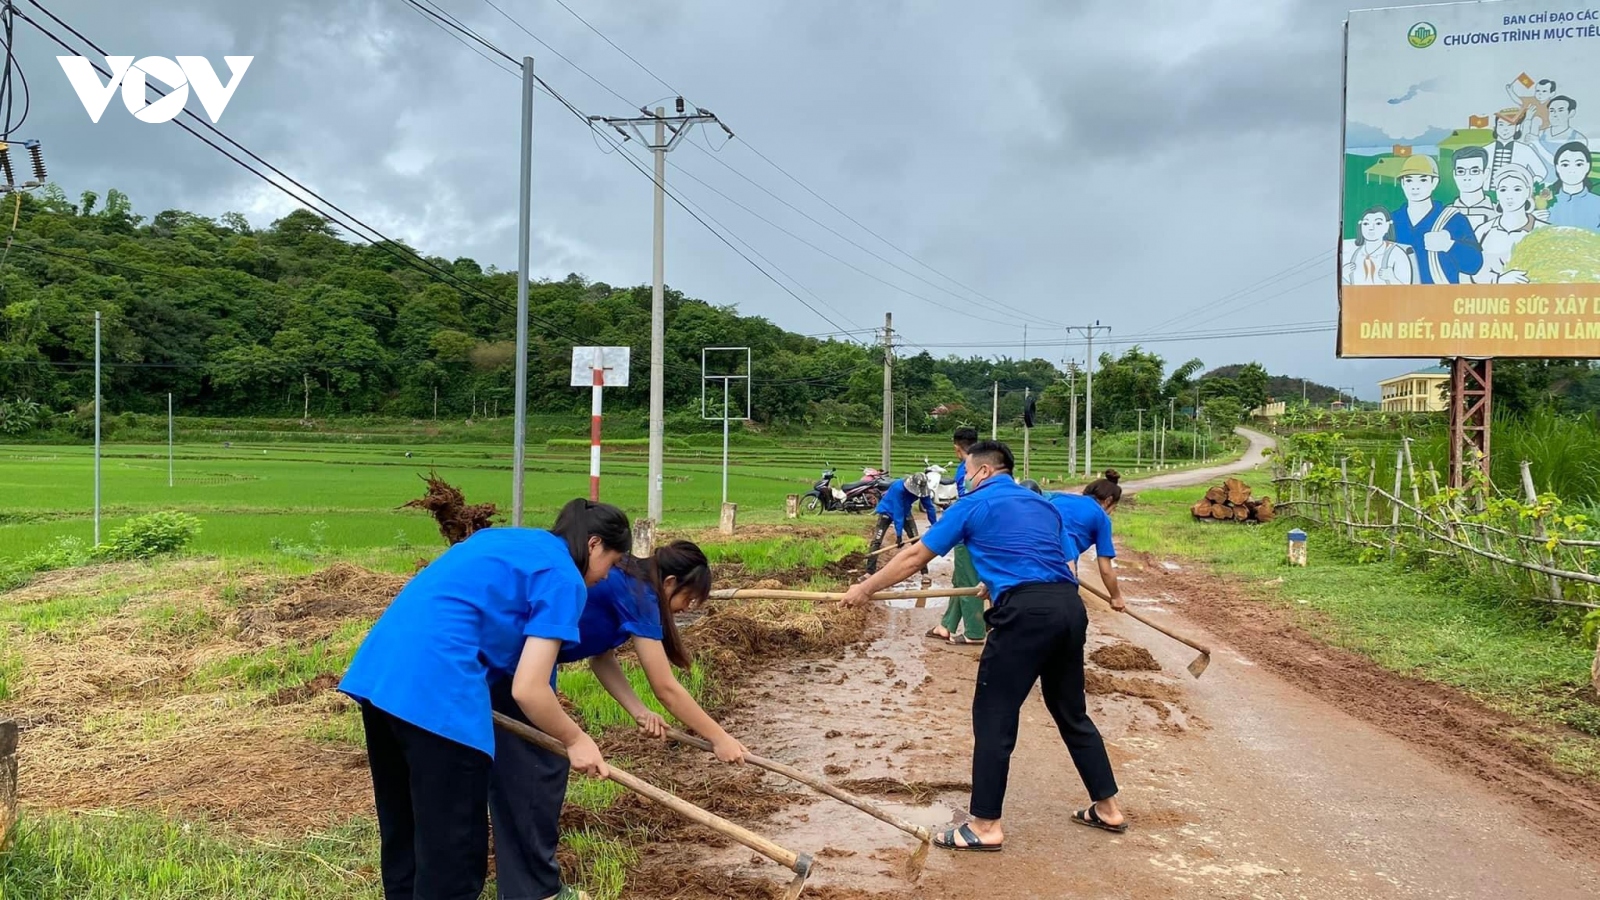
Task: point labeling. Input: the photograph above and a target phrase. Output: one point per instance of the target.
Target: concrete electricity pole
(1072, 417)
(994, 414)
(668, 131)
(888, 386)
(519, 428)
(1089, 331)
(1138, 442)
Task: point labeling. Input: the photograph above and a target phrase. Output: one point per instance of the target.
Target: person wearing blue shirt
(894, 508)
(636, 602)
(963, 618)
(1086, 522)
(499, 605)
(1037, 629)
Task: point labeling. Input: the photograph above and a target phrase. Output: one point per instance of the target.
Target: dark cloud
(1126, 161)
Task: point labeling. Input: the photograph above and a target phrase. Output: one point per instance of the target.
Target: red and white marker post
(596, 368)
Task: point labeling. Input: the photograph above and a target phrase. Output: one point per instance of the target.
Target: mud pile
(1124, 658)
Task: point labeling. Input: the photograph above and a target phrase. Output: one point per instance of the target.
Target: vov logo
(188, 71)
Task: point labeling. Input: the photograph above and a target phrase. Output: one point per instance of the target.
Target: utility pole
(1197, 421)
(1138, 443)
(668, 131)
(97, 428)
(1072, 417)
(1089, 332)
(169, 439)
(888, 386)
(994, 414)
(1024, 341)
(1172, 424)
(519, 428)
(1027, 432)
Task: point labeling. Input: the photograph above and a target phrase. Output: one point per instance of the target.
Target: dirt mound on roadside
(918, 792)
(679, 880)
(738, 634)
(313, 606)
(1125, 658)
(1144, 688)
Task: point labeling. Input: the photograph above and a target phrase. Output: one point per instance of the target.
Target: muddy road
(1291, 770)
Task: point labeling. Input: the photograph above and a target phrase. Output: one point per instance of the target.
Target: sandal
(947, 840)
(1092, 819)
(934, 634)
(568, 892)
(965, 641)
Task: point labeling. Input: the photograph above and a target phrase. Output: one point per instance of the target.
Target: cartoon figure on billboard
(1513, 190)
(1510, 146)
(1532, 97)
(1374, 257)
(1471, 166)
(1575, 205)
(1559, 134)
(1441, 238)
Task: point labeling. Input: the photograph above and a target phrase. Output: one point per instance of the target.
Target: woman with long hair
(497, 607)
(636, 602)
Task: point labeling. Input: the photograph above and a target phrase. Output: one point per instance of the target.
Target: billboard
(1470, 218)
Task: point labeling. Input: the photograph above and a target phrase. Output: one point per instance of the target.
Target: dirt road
(1289, 771)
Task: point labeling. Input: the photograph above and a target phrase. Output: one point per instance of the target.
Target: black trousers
(430, 792)
(1036, 633)
(884, 524)
(526, 789)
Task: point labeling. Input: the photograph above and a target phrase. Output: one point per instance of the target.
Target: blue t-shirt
(1084, 525)
(896, 504)
(961, 479)
(462, 623)
(619, 608)
(1013, 535)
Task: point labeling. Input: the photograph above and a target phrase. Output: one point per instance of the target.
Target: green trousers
(965, 612)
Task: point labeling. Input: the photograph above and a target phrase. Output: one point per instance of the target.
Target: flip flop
(947, 841)
(1092, 819)
(964, 641)
(935, 635)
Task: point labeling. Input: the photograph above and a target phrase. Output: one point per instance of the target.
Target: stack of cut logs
(1230, 502)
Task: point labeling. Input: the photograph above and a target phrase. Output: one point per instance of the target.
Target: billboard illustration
(1470, 218)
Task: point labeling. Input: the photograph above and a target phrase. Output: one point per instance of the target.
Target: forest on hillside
(296, 320)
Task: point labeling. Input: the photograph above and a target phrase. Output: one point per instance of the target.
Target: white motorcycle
(944, 492)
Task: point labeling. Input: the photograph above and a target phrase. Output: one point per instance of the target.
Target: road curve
(1254, 456)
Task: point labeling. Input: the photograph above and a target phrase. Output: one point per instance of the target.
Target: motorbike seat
(948, 479)
(857, 484)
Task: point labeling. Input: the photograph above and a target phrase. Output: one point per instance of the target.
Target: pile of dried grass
(735, 634)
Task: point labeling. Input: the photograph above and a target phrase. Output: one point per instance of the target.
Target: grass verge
(1439, 623)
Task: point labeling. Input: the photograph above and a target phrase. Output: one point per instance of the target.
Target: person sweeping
(497, 606)
(1037, 629)
(963, 617)
(636, 602)
(1086, 521)
(894, 509)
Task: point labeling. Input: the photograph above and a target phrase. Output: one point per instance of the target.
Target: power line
(558, 53)
(658, 78)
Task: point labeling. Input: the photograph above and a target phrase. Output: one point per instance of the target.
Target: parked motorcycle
(857, 496)
(944, 493)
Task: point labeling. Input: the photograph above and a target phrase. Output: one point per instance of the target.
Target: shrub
(151, 535)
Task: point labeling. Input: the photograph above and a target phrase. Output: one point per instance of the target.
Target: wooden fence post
(1538, 529)
(8, 779)
(1394, 505)
(1349, 508)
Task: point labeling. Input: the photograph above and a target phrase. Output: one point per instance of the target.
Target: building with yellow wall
(1421, 391)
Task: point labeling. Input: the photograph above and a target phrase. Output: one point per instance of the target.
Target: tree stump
(8, 779)
(730, 512)
(1238, 492)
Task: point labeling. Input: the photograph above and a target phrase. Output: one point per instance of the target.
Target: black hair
(1105, 490)
(1549, 82)
(1477, 153)
(1032, 485)
(1572, 105)
(965, 437)
(1389, 235)
(581, 519)
(992, 453)
(685, 561)
(1574, 147)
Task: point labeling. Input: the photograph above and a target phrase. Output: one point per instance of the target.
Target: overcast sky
(1135, 163)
